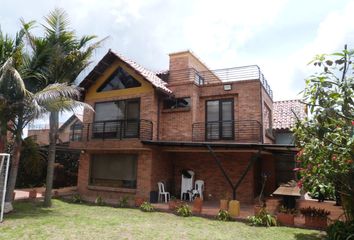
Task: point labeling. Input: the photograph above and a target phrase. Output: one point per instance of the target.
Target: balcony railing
(115, 129)
(245, 131)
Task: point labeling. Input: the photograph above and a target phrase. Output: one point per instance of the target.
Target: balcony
(116, 129)
(244, 131)
(251, 72)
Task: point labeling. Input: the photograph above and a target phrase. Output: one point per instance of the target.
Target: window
(113, 170)
(177, 103)
(118, 119)
(219, 119)
(199, 80)
(76, 131)
(267, 116)
(120, 79)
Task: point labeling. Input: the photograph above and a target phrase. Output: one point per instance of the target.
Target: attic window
(173, 103)
(120, 79)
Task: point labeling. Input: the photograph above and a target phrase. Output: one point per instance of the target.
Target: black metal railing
(243, 131)
(251, 72)
(115, 129)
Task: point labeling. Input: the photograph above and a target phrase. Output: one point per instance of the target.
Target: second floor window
(117, 119)
(177, 103)
(120, 79)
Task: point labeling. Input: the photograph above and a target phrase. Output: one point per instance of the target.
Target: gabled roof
(283, 113)
(109, 58)
(74, 117)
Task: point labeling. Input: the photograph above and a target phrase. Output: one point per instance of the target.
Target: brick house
(149, 127)
(40, 133)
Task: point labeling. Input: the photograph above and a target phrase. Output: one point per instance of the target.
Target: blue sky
(281, 36)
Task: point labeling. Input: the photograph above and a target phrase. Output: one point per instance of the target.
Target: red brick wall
(144, 170)
(206, 169)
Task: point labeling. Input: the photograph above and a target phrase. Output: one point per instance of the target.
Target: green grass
(74, 221)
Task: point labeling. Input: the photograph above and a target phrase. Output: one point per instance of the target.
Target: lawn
(74, 221)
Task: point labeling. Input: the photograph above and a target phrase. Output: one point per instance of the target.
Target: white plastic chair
(162, 193)
(199, 186)
(187, 186)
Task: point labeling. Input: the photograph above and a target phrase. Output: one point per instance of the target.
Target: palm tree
(69, 56)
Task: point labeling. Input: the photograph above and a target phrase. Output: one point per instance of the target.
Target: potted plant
(174, 203)
(286, 216)
(315, 217)
(224, 202)
(197, 205)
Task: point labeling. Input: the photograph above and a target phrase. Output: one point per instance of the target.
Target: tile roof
(109, 58)
(283, 113)
(147, 74)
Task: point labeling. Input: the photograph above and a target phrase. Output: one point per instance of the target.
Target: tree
(69, 55)
(326, 138)
(16, 77)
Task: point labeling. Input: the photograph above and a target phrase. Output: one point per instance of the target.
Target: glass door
(219, 122)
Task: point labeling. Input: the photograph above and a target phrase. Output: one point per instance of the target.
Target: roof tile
(283, 113)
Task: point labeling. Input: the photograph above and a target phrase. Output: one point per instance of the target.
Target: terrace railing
(251, 72)
(244, 131)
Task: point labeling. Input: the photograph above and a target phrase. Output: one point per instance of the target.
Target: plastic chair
(162, 193)
(199, 186)
(187, 186)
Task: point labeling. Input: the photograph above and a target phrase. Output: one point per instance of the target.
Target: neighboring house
(149, 127)
(67, 131)
(285, 114)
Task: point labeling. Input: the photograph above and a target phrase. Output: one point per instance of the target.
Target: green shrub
(323, 191)
(286, 210)
(147, 207)
(314, 212)
(341, 231)
(223, 215)
(183, 211)
(99, 201)
(76, 198)
(123, 202)
(263, 218)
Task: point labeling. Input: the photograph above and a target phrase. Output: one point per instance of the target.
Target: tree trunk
(53, 136)
(13, 170)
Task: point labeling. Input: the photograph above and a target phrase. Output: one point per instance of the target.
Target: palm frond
(11, 81)
(55, 92)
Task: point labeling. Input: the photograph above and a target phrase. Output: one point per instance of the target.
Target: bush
(314, 212)
(223, 215)
(183, 211)
(99, 201)
(322, 192)
(263, 218)
(146, 207)
(341, 231)
(286, 210)
(123, 202)
(76, 198)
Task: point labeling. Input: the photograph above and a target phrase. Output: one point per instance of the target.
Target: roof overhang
(226, 145)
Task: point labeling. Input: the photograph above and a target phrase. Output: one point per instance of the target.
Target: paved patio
(21, 194)
(211, 208)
